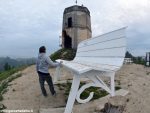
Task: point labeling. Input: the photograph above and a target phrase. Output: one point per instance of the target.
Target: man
(42, 66)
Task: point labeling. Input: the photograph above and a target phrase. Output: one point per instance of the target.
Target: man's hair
(42, 49)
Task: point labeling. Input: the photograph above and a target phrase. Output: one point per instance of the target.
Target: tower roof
(76, 8)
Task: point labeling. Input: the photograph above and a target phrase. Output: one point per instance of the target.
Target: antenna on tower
(76, 1)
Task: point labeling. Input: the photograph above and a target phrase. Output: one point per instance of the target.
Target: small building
(128, 61)
(147, 59)
(76, 26)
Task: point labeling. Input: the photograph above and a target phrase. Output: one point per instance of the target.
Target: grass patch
(147, 73)
(2, 107)
(6, 74)
(98, 92)
(3, 86)
(117, 87)
(65, 54)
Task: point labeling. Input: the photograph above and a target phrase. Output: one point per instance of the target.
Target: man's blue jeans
(46, 77)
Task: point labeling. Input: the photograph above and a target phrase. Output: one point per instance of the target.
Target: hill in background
(15, 62)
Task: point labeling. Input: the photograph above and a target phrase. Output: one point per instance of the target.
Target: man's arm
(51, 63)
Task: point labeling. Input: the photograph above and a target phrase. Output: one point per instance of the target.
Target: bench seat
(75, 67)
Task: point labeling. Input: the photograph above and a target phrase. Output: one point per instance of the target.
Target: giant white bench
(96, 57)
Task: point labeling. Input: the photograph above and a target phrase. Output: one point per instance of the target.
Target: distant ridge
(15, 62)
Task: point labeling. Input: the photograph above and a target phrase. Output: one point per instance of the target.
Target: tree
(128, 55)
(7, 67)
(136, 60)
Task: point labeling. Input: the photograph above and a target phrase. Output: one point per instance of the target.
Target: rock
(2, 106)
(99, 108)
(114, 105)
(117, 101)
(13, 90)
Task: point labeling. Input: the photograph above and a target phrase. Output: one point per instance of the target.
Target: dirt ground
(24, 92)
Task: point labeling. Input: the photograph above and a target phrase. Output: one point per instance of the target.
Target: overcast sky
(25, 25)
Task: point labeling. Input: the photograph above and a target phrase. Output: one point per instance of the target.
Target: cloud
(110, 15)
(25, 25)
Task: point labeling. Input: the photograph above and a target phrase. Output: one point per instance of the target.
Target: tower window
(70, 22)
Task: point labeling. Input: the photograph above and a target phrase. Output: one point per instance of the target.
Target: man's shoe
(54, 94)
(45, 95)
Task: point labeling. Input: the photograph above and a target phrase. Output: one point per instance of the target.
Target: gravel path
(24, 92)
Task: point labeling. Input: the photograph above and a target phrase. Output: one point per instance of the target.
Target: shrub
(98, 92)
(65, 54)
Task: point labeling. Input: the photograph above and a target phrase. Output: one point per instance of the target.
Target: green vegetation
(8, 63)
(7, 66)
(2, 107)
(147, 73)
(65, 54)
(139, 60)
(6, 74)
(98, 92)
(128, 55)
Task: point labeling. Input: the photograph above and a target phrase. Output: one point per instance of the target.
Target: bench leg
(73, 93)
(113, 84)
(57, 75)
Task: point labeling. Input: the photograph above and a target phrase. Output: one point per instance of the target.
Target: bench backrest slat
(103, 51)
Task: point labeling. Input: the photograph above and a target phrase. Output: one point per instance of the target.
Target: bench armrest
(74, 66)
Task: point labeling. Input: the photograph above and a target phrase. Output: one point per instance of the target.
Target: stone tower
(76, 26)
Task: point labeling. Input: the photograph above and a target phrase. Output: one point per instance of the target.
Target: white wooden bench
(96, 57)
